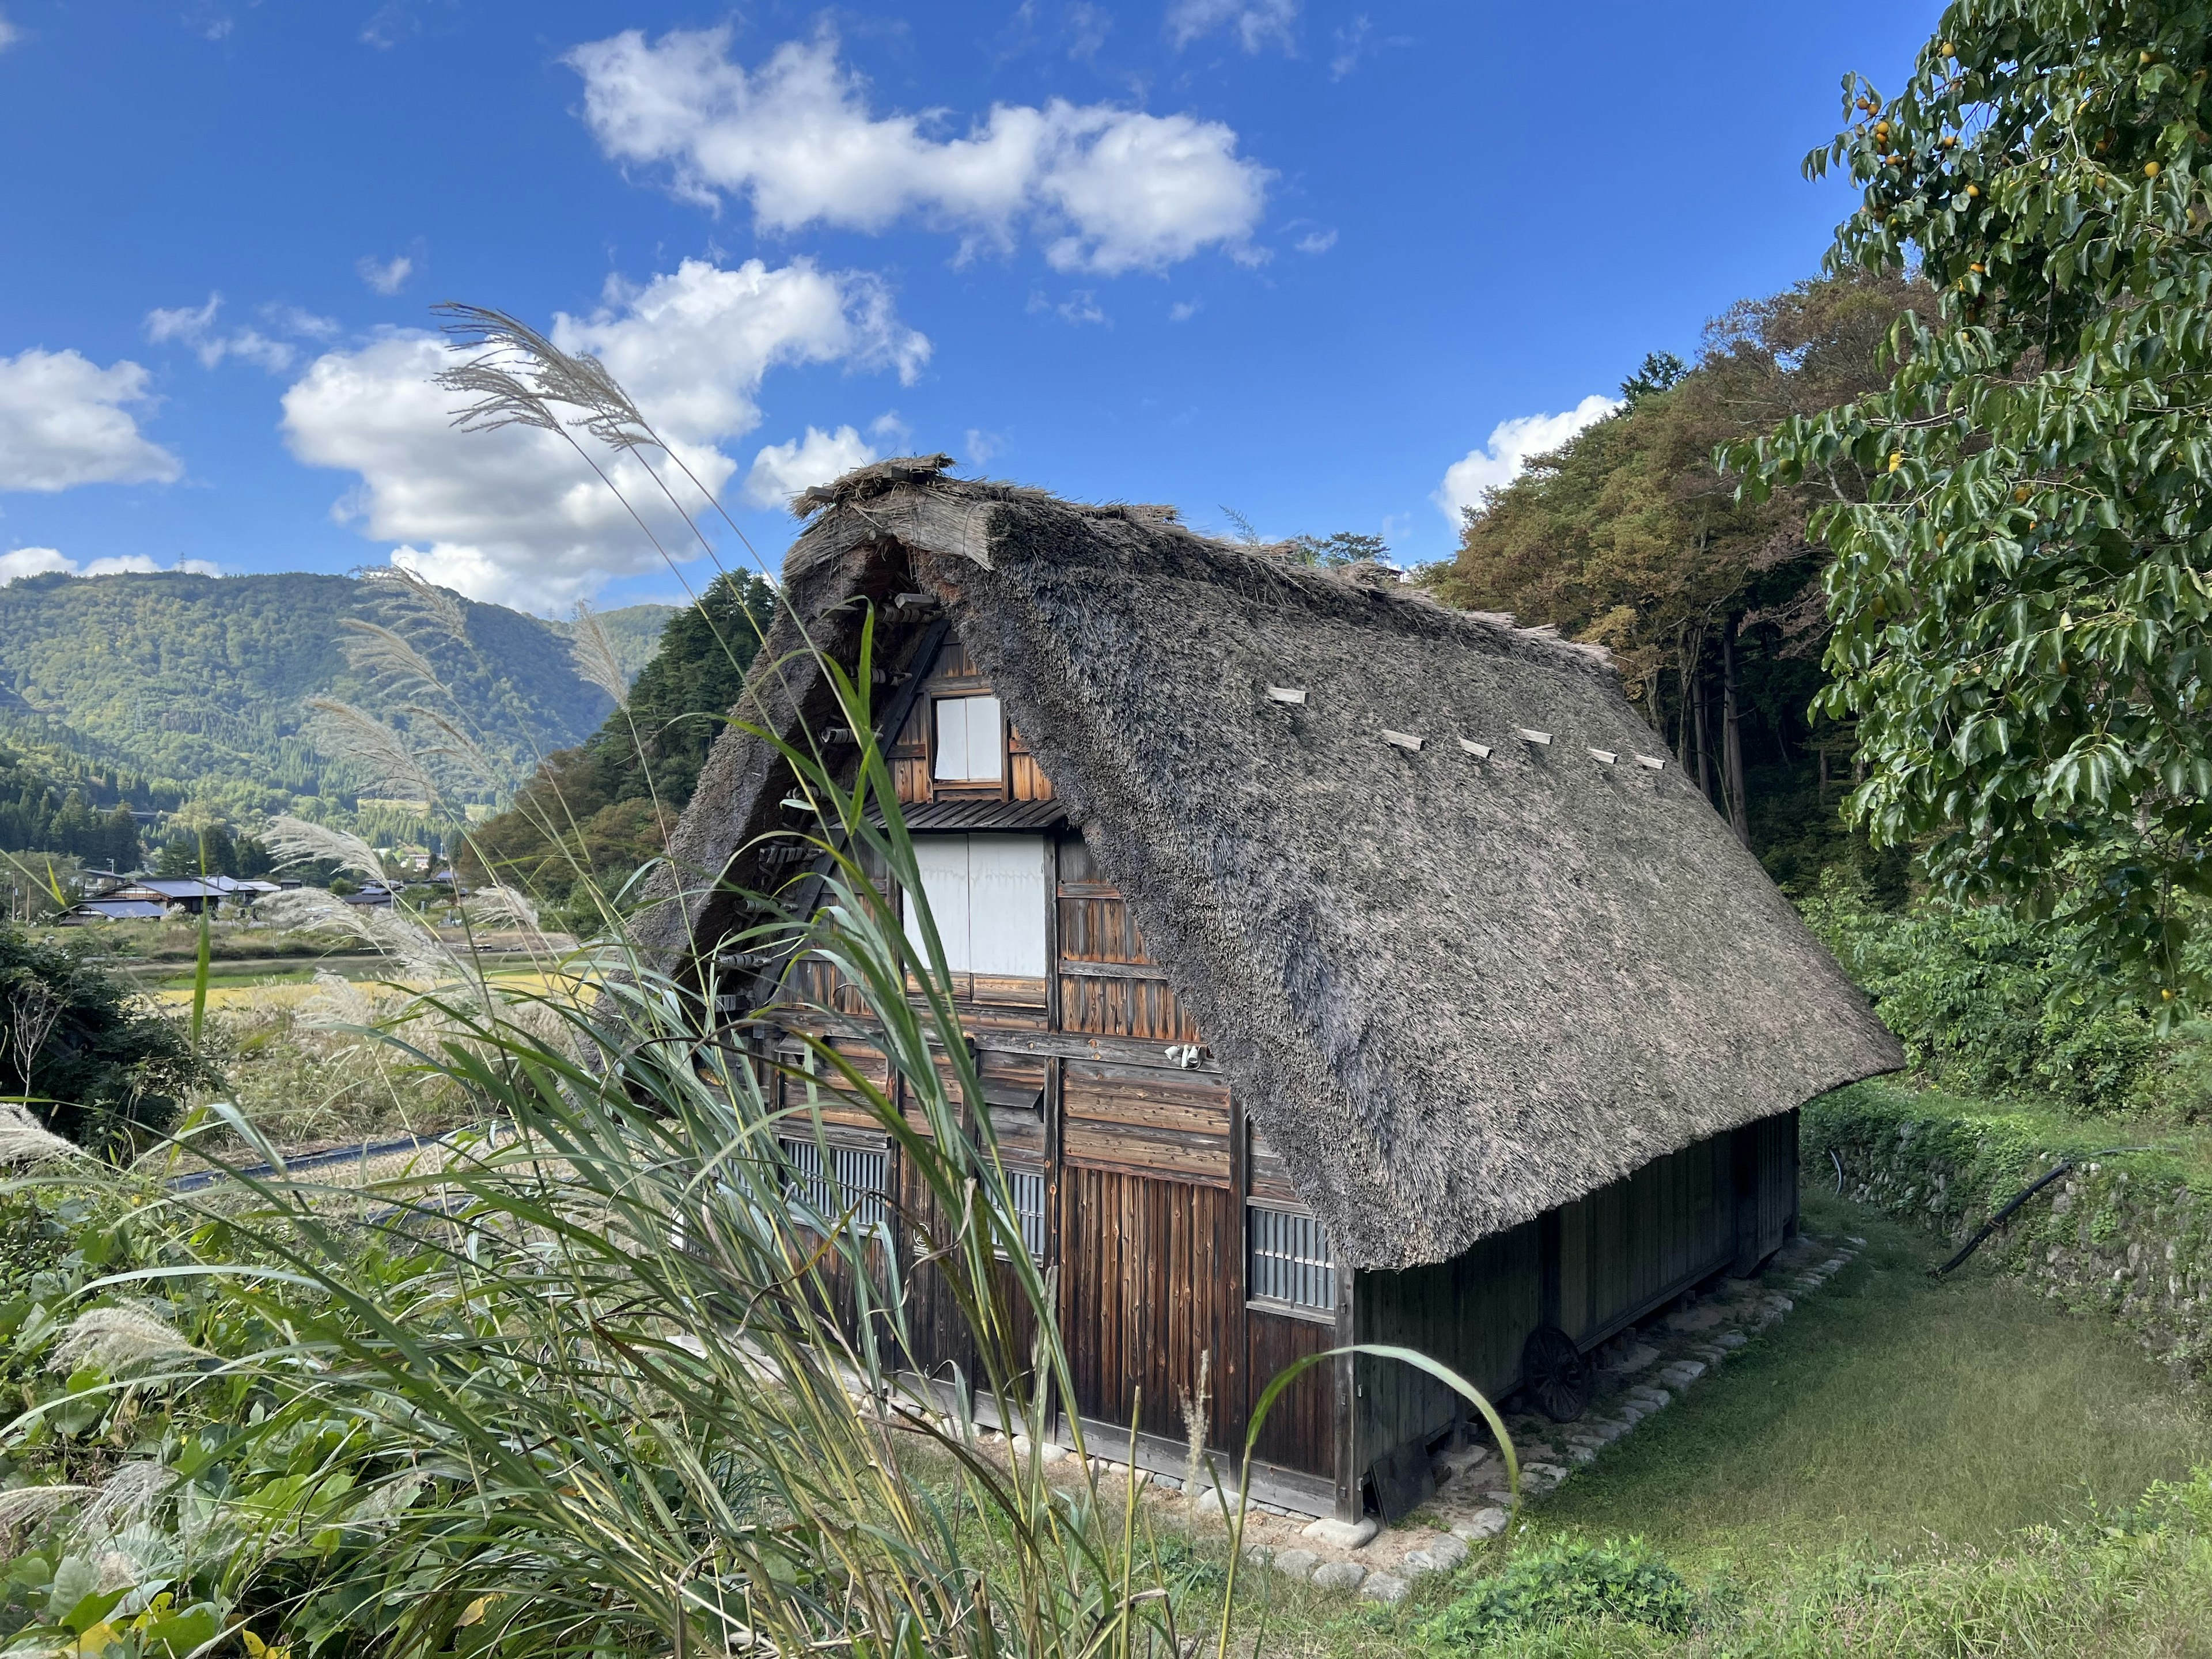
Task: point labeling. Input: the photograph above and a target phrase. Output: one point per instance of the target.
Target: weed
(1628, 1582)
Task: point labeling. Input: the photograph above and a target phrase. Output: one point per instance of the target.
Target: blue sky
(1294, 257)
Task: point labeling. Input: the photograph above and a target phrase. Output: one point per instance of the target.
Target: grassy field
(1891, 1409)
(1893, 1424)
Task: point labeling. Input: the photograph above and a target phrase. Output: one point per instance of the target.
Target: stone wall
(2127, 1235)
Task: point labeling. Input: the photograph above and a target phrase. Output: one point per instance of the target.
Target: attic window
(971, 745)
(1288, 1262)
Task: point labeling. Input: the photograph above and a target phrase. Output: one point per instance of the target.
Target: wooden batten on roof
(1456, 985)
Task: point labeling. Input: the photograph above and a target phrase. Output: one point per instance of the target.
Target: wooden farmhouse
(1341, 967)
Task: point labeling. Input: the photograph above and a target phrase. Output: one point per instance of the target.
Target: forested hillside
(169, 684)
(52, 802)
(605, 807)
(1630, 537)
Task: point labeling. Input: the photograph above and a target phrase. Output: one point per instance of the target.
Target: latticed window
(1288, 1259)
(831, 1180)
(1028, 1188)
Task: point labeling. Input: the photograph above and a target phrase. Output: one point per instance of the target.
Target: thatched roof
(1452, 992)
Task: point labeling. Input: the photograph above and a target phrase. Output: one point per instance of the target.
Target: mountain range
(149, 688)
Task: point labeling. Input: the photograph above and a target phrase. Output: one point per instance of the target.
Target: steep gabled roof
(1453, 989)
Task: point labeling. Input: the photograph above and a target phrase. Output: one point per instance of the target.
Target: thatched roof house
(1462, 946)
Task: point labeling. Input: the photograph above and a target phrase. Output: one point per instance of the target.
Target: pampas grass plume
(118, 1340)
(23, 1139)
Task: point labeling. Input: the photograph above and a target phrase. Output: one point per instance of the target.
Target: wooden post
(1233, 1388)
(1346, 1414)
(1550, 1294)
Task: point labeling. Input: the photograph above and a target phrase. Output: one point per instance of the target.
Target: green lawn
(1894, 1435)
(1891, 1409)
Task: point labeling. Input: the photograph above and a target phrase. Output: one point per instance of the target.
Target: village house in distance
(1340, 966)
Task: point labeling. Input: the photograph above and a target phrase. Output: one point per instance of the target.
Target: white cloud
(1109, 189)
(892, 431)
(1349, 43)
(981, 446)
(43, 561)
(63, 422)
(781, 471)
(1315, 241)
(9, 34)
(194, 326)
(1512, 443)
(32, 561)
(139, 565)
(1184, 310)
(296, 319)
(385, 276)
(516, 515)
(1254, 22)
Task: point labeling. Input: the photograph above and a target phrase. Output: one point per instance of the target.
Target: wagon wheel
(1554, 1372)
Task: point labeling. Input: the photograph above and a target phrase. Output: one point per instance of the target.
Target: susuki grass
(594, 1390)
(601, 1382)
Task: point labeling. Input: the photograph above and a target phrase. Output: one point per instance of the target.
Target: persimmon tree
(2021, 615)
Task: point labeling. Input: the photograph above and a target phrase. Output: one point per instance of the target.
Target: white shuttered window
(988, 895)
(970, 744)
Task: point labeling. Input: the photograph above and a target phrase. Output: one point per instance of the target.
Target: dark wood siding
(1472, 1313)
(1297, 1433)
(943, 1348)
(1145, 1121)
(1153, 1278)
(1667, 1225)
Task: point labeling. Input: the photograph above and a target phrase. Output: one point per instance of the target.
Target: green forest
(595, 814)
(142, 690)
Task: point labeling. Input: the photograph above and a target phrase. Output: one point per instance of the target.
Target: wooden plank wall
(1155, 1278)
(1299, 1432)
(1474, 1313)
(1775, 1160)
(1144, 1120)
(1671, 1223)
(1109, 985)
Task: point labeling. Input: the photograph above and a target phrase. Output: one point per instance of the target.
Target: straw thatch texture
(1452, 991)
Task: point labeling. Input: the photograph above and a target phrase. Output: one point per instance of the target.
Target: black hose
(1998, 1219)
(1995, 1221)
(1838, 1163)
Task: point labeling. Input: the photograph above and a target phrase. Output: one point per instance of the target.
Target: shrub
(1630, 1583)
(96, 1065)
(1979, 997)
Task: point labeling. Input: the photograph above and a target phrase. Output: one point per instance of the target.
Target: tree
(119, 839)
(2019, 608)
(1338, 549)
(605, 808)
(1630, 537)
(1661, 370)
